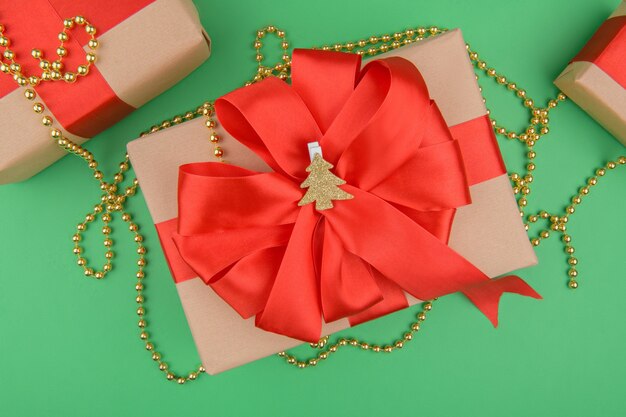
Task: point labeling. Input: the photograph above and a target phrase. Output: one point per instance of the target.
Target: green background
(69, 345)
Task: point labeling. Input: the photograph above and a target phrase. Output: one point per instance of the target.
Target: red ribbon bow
(244, 234)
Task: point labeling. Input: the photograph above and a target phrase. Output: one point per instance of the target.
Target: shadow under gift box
(146, 46)
(596, 77)
(489, 232)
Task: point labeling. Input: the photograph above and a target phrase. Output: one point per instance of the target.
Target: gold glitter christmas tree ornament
(323, 185)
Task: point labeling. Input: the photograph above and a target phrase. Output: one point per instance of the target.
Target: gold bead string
(325, 349)
(51, 71)
(536, 129)
(111, 200)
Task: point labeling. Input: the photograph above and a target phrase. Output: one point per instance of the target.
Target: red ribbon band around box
(607, 49)
(244, 234)
(88, 106)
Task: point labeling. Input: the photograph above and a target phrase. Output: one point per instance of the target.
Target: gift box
(488, 232)
(596, 78)
(145, 47)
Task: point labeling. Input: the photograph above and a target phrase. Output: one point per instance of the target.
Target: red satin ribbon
(90, 105)
(607, 49)
(243, 233)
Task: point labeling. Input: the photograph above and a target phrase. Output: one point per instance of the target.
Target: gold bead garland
(112, 201)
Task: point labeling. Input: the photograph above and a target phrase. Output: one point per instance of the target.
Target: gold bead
(46, 121)
(567, 238)
(570, 209)
(181, 380)
(81, 261)
(600, 172)
(82, 70)
(170, 376)
(201, 369)
(143, 335)
(108, 242)
(415, 327)
(214, 138)
(572, 261)
(149, 346)
(108, 255)
(38, 107)
(4, 41)
(61, 51)
(88, 272)
(140, 275)
(77, 250)
(218, 152)
(621, 160)
(141, 262)
(376, 348)
(545, 234)
(139, 299)
(163, 366)
(611, 165)
(592, 181)
(69, 77)
(535, 242)
(30, 94)
(90, 29)
(569, 250)
(141, 311)
(408, 336)
(68, 23)
(99, 275)
(79, 20)
(573, 284)
(572, 272)
(91, 57)
(428, 306)
(142, 323)
(192, 376)
(421, 316)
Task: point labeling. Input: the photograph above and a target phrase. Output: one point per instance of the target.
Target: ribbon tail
(486, 296)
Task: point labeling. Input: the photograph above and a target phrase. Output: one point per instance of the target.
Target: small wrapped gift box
(596, 78)
(488, 232)
(146, 46)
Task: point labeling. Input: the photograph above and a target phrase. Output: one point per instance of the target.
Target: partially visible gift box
(146, 46)
(596, 78)
(489, 232)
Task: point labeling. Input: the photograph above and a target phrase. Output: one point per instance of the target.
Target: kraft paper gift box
(596, 78)
(146, 46)
(489, 232)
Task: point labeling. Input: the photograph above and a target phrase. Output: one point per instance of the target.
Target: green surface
(69, 345)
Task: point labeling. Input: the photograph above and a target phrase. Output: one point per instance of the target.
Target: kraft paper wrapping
(139, 58)
(489, 232)
(596, 92)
